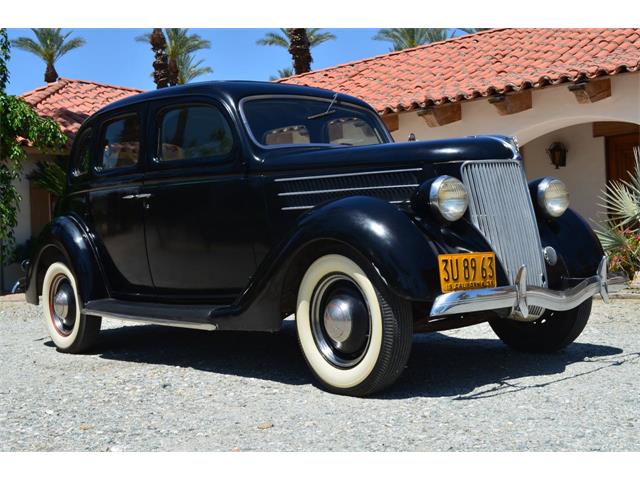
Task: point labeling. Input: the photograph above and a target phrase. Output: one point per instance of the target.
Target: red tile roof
(479, 65)
(69, 101)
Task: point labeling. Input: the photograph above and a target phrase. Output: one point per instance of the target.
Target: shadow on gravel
(439, 366)
(467, 369)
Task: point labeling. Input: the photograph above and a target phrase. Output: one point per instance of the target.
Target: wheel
(551, 332)
(355, 340)
(70, 330)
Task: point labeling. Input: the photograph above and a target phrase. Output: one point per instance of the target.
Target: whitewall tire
(355, 340)
(70, 330)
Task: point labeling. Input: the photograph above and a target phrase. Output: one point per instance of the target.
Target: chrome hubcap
(340, 320)
(62, 305)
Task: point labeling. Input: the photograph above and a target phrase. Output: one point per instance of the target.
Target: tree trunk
(50, 74)
(174, 71)
(160, 65)
(300, 50)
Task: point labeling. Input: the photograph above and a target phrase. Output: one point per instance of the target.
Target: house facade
(576, 88)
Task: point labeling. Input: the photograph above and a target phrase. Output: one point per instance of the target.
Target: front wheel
(70, 330)
(551, 332)
(355, 339)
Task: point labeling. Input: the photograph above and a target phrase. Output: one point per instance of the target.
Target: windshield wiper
(327, 112)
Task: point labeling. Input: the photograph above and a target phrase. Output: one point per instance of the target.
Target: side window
(82, 157)
(119, 143)
(192, 132)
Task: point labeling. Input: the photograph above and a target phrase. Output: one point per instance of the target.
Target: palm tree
(402, 38)
(473, 30)
(282, 73)
(50, 45)
(413, 37)
(179, 43)
(300, 50)
(188, 70)
(315, 36)
(160, 59)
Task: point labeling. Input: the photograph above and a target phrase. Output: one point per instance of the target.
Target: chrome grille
(500, 207)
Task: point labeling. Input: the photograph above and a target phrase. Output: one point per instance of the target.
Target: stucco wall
(22, 232)
(553, 108)
(585, 172)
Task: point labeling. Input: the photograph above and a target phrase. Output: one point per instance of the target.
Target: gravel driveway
(160, 388)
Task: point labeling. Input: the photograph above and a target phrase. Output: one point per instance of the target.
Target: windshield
(301, 121)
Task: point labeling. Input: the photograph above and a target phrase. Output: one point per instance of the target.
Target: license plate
(466, 271)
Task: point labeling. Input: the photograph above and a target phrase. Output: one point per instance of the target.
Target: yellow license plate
(466, 271)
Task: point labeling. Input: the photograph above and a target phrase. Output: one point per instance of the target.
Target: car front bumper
(520, 296)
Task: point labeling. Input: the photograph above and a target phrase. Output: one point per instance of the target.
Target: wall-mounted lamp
(557, 154)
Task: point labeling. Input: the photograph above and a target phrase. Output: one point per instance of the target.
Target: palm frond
(28, 45)
(274, 39)
(71, 45)
(282, 73)
(316, 37)
(188, 69)
(51, 177)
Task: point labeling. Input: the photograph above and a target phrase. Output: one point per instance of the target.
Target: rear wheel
(70, 330)
(355, 339)
(551, 332)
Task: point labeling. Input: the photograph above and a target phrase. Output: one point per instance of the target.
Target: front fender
(64, 238)
(401, 250)
(577, 247)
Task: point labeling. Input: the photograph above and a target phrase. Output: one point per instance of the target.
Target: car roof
(233, 90)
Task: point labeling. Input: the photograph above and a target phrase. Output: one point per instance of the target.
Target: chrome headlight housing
(553, 196)
(448, 197)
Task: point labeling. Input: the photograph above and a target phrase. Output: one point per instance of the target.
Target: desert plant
(619, 233)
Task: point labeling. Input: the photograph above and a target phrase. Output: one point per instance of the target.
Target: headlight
(448, 197)
(553, 196)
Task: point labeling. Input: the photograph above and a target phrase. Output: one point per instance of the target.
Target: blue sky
(112, 56)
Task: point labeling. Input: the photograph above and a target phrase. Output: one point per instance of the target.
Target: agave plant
(619, 234)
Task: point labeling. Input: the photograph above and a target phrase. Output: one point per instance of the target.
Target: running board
(186, 316)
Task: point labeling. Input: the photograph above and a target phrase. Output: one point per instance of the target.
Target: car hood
(413, 154)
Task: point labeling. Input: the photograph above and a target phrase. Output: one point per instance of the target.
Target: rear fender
(65, 239)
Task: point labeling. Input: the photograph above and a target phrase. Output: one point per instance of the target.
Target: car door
(199, 214)
(116, 208)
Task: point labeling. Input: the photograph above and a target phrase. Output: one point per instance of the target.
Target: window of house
(193, 132)
(82, 157)
(120, 143)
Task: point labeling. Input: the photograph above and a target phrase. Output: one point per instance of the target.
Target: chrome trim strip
(352, 174)
(307, 207)
(353, 189)
(521, 297)
(155, 321)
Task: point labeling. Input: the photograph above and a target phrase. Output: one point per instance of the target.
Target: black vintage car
(231, 205)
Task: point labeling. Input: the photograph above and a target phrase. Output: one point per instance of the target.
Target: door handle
(139, 195)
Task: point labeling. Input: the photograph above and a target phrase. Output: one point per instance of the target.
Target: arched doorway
(597, 151)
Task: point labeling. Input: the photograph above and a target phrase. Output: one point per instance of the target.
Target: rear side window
(82, 156)
(193, 132)
(119, 143)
